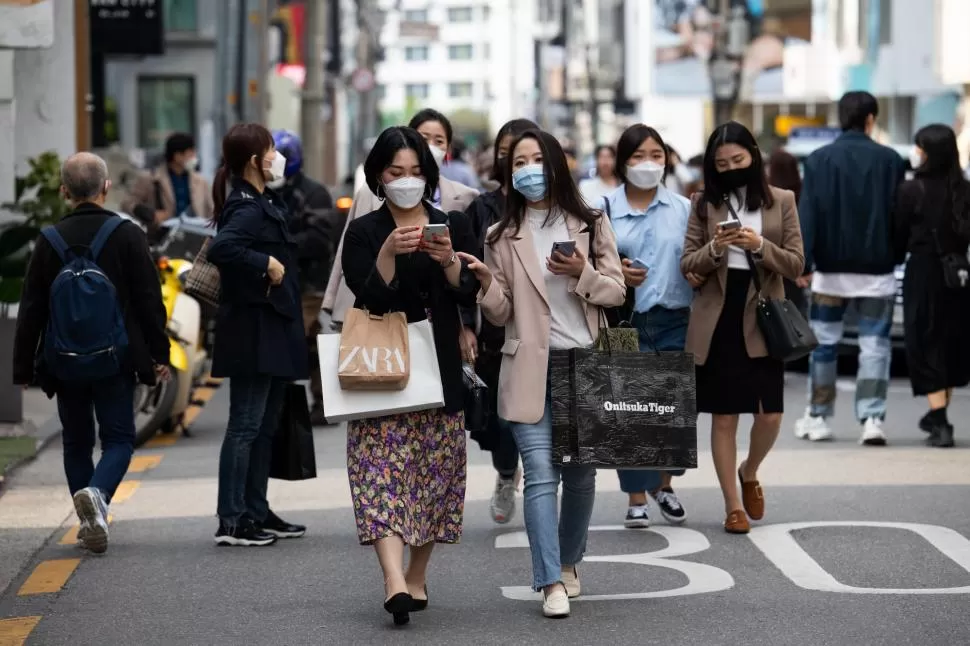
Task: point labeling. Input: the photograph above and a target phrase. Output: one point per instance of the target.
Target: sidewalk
(21, 442)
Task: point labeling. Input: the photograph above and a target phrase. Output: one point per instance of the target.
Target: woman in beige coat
(738, 214)
(546, 300)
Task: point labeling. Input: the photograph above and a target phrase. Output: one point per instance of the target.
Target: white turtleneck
(568, 328)
(736, 256)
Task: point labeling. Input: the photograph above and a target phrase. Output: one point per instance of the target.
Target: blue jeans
(255, 405)
(668, 330)
(110, 400)
(553, 540)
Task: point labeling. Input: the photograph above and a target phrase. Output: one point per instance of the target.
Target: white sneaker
(872, 433)
(814, 429)
(570, 579)
(92, 511)
(555, 604)
(637, 517)
(503, 499)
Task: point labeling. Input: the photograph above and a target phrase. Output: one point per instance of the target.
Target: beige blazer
(517, 299)
(338, 297)
(143, 193)
(783, 257)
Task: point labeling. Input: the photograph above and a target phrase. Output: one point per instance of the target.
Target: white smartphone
(728, 225)
(636, 263)
(567, 248)
(432, 230)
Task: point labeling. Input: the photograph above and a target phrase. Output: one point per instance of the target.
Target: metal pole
(314, 100)
(254, 27)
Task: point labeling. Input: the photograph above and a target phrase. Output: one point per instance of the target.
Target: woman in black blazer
(259, 330)
(407, 471)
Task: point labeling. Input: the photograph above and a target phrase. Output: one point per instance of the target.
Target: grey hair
(83, 176)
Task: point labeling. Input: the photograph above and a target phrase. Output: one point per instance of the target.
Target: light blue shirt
(655, 236)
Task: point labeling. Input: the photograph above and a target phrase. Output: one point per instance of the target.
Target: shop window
(180, 15)
(165, 105)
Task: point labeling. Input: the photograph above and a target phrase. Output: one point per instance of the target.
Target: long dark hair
(942, 163)
(631, 139)
(757, 192)
(783, 172)
(513, 128)
(238, 146)
(563, 193)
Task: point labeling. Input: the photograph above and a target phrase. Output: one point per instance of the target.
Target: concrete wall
(44, 93)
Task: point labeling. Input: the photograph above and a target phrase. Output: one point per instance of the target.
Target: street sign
(362, 79)
(127, 27)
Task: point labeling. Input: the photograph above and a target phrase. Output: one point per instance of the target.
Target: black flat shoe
(399, 606)
(421, 604)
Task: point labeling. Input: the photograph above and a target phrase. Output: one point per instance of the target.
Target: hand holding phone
(565, 249)
(729, 225)
(431, 230)
(636, 263)
(634, 272)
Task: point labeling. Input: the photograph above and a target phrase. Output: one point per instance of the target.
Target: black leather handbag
(787, 334)
(476, 401)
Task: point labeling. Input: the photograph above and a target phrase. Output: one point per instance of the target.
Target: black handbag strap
(755, 275)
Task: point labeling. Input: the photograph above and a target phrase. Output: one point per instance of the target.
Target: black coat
(259, 328)
(484, 211)
(419, 285)
(127, 262)
(312, 220)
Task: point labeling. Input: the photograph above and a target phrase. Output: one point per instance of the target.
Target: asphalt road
(893, 569)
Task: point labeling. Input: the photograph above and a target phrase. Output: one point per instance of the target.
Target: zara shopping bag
(293, 454)
(422, 392)
(623, 410)
(374, 351)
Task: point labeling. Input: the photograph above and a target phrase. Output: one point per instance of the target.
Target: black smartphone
(567, 248)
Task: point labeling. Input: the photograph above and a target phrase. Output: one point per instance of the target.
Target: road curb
(45, 434)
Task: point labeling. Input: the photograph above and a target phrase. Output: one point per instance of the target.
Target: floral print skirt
(407, 476)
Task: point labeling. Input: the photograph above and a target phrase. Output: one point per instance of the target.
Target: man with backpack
(91, 321)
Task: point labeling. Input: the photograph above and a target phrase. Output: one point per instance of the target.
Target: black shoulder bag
(787, 334)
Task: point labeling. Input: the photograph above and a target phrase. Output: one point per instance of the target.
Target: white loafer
(570, 579)
(555, 604)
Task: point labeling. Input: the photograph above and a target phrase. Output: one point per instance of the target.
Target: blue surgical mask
(531, 182)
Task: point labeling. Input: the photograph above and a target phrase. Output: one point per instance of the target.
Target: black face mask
(735, 178)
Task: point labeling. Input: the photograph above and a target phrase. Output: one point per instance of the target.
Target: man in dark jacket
(311, 215)
(845, 209)
(127, 263)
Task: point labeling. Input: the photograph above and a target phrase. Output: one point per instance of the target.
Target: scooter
(161, 408)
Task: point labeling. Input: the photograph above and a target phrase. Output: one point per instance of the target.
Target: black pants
(497, 437)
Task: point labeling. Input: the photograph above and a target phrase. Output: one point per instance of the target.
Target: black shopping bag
(293, 454)
(626, 410)
(476, 401)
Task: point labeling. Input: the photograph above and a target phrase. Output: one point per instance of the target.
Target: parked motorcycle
(161, 408)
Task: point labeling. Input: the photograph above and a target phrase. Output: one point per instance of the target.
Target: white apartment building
(458, 55)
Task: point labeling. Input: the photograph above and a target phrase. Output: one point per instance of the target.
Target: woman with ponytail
(259, 344)
(932, 225)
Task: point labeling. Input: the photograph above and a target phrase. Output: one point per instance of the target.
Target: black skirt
(730, 382)
(936, 323)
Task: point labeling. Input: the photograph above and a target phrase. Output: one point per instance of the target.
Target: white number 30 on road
(774, 541)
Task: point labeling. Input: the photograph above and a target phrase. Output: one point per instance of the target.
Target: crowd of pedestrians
(682, 251)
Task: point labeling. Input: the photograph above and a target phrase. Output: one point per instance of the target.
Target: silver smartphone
(432, 230)
(636, 263)
(567, 248)
(728, 225)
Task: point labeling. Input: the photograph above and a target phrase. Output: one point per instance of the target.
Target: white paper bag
(423, 391)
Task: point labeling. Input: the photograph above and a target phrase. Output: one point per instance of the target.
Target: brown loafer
(753, 498)
(737, 523)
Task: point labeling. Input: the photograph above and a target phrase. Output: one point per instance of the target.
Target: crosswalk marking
(70, 536)
(142, 463)
(15, 631)
(125, 490)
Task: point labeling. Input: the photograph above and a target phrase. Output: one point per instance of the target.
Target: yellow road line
(49, 577)
(203, 394)
(161, 441)
(191, 413)
(125, 490)
(70, 536)
(142, 463)
(14, 632)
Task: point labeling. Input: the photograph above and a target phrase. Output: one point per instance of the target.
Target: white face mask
(277, 167)
(405, 193)
(276, 183)
(439, 154)
(645, 175)
(915, 158)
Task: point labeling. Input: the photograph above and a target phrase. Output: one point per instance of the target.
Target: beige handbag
(374, 351)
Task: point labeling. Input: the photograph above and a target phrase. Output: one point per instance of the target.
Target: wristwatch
(450, 261)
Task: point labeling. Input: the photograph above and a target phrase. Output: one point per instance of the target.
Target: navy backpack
(86, 337)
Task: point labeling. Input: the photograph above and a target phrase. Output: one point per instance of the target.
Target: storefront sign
(127, 26)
